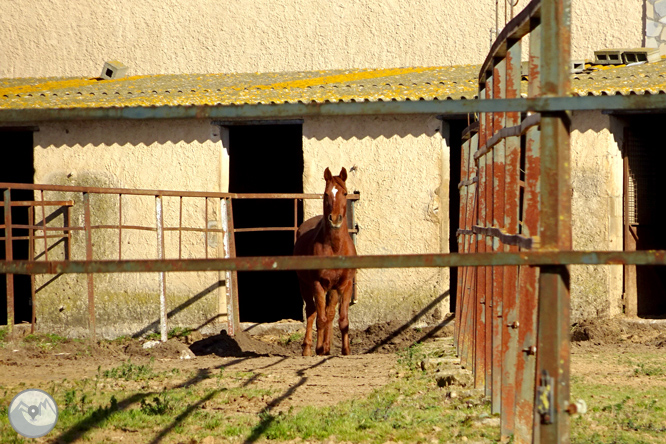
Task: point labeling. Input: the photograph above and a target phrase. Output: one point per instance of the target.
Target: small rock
(446, 380)
(187, 354)
(150, 344)
(425, 364)
(208, 440)
(453, 395)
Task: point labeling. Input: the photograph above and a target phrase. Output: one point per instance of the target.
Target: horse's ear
(327, 175)
(343, 174)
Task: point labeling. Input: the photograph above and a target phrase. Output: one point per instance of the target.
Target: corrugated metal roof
(646, 78)
(238, 89)
(359, 85)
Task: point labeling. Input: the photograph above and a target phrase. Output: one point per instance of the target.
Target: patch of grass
(45, 341)
(294, 337)
(411, 357)
(160, 405)
(3, 334)
(130, 372)
(650, 369)
(176, 332)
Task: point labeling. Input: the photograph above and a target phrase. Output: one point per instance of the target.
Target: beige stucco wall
(399, 165)
(59, 38)
(166, 155)
(596, 177)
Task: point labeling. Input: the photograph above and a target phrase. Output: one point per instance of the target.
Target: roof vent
(637, 55)
(577, 66)
(625, 56)
(608, 57)
(113, 70)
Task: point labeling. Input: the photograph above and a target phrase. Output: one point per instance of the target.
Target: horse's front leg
(346, 291)
(310, 313)
(320, 303)
(331, 303)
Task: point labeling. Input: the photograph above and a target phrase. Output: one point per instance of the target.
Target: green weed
(130, 372)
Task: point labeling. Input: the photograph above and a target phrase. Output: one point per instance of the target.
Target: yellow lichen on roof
(355, 85)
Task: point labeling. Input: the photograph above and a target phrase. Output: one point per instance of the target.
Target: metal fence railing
(51, 223)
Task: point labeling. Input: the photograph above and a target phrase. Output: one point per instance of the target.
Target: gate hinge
(546, 398)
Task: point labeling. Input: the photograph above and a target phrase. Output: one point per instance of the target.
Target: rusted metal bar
(554, 298)
(180, 227)
(233, 321)
(481, 274)
(473, 311)
(46, 243)
(120, 227)
(509, 348)
(89, 258)
(528, 276)
(488, 221)
(9, 256)
(165, 193)
(462, 247)
(267, 263)
(206, 228)
(49, 203)
(31, 256)
(159, 224)
(509, 239)
(295, 219)
(510, 131)
(498, 159)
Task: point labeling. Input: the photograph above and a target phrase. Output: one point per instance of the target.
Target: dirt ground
(313, 380)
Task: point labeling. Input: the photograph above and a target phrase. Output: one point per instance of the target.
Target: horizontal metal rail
(164, 193)
(275, 263)
(438, 107)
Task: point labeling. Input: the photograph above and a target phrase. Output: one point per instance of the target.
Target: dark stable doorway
(266, 159)
(456, 128)
(20, 169)
(644, 213)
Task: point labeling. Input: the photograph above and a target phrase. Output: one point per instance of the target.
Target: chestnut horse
(321, 290)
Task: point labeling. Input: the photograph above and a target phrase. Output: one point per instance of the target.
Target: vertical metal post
(31, 256)
(120, 227)
(480, 303)
(162, 275)
(554, 298)
(46, 240)
(528, 276)
(462, 245)
(510, 324)
(233, 323)
(9, 255)
(89, 257)
(498, 180)
(488, 240)
(296, 218)
(473, 311)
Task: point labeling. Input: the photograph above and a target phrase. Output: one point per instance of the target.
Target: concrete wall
(400, 166)
(596, 177)
(168, 155)
(56, 38)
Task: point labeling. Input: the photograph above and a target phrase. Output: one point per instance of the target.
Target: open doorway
(456, 128)
(644, 156)
(266, 159)
(18, 142)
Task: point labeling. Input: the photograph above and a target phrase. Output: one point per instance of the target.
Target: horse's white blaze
(334, 191)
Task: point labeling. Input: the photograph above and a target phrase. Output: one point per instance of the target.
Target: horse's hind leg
(331, 302)
(310, 314)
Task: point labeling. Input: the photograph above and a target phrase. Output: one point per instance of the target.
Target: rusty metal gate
(512, 314)
(43, 235)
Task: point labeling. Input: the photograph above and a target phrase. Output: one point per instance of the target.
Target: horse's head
(335, 199)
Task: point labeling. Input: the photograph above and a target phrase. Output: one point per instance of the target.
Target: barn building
(261, 132)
